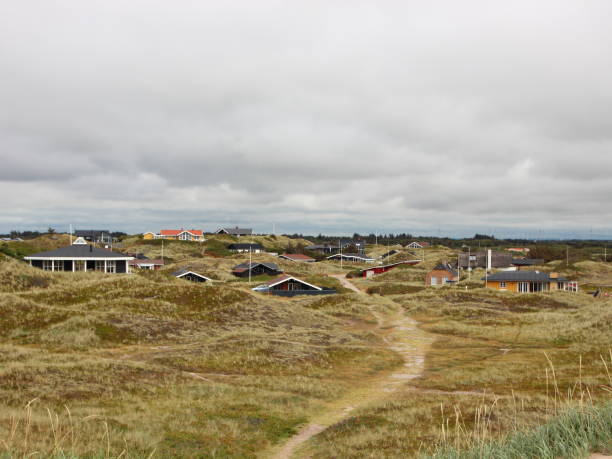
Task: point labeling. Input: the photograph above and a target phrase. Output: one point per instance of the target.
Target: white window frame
(111, 266)
(99, 265)
(47, 265)
(502, 284)
(523, 287)
(58, 265)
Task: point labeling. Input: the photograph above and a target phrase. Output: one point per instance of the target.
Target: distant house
(177, 235)
(441, 274)
(235, 231)
(389, 253)
(291, 286)
(96, 236)
(351, 257)
(528, 282)
(80, 256)
(373, 270)
(484, 259)
(337, 247)
(256, 269)
(245, 247)
(190, 275)
(297, 257)
(519, 263)
(417, 245)
(146, 263)
(518, 249)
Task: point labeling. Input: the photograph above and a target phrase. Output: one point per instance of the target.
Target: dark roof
(78, 251)
(245, 245)
(524, 276)
(245, 266)
(445, 267)
(526, 261)
(182, 272)
(85, 233)
(236, 230)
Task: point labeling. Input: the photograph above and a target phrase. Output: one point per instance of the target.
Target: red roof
(177, 232)
(297, 256)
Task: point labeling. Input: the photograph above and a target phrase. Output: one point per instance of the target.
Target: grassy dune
(500, 363)
(147, 363)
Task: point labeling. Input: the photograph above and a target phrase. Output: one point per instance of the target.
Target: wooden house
(442, 274)
(176, 235)
(246, 247)
(256, 269)
(146, 263)
(235, 231)
(291, 286)
(351, 257)
(528, 282)
(374, 270)
(80, 256)
(191, 276)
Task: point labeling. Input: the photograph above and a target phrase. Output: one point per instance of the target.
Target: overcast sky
(318, 116)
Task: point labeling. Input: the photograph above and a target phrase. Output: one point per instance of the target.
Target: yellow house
(528, 282)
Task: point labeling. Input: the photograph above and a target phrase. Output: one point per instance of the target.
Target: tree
(50, 230)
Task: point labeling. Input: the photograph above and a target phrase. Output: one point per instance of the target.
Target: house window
(434, 280)
(79, 265)
(502, 285)
(184, 236)
(100, 265)
(444, 280)
(523, 287)
(58, 265)
(48, 265)
(111, 266)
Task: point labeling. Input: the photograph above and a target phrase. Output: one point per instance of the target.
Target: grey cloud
(316, 115)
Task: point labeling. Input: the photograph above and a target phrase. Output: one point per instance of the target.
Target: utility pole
(469, 264)
(340, 245)
(71, 234)
(567, 255)
(162, 254)
(250, 265)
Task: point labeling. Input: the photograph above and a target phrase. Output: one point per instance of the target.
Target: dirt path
(346, 283)
(401, 334)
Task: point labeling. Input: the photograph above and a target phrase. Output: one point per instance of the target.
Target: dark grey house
(97, 236)
(190, 275)
(252, 247)
(337, 247)
(480, 259)
(256, 269)
(235, 231)
(81, 256)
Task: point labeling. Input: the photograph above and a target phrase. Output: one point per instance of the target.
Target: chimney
(90, 248)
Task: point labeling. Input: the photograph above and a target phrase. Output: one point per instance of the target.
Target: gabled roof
(254, 264)
(390, 265)
(245, 245)
(236, 230)
(523, 276)
(296, 257)
(166, 232)
(282, 279)
(183, 272)
(78, 251)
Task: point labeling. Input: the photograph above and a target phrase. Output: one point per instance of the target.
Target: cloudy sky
(331, 116)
